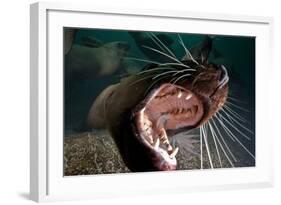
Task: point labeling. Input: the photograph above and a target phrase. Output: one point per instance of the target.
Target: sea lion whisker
(222, 138)
(184, 70)
(157, 51)
(226, 129)
(154, 84)
(167, 72)
(174, 71)
(187, 70)
(243, 146)
(234, 114)
(204, 132)
(237, 106)
(234, 127)
(155, 69)
(201, 147)
(179, 64)
(214, 139)
(236, 100)
(227, 115)
(139, 80)
(152, 38)
(187, 52)
(221, 145)
(181, 78)
(237, 122)
(172, 79)
(152, 34)
(159, 64)
(181, 71)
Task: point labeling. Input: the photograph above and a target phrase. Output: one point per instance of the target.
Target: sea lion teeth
(179, 94)
(147, 125)
(149, 138)
(162, 137)
(174, 152)
(188, 96)
(157, 143)
(148, 131)
(163, 134)
(181, 110)
(148, 122)
(169, 148)
(166, 142)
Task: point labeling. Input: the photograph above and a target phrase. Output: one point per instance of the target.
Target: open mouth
(167, 108)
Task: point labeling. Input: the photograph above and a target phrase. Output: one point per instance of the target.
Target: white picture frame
(47, 182)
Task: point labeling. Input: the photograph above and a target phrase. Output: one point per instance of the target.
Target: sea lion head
(112, 54)
(171, 107)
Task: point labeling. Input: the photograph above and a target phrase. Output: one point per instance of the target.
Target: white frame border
(39, 94)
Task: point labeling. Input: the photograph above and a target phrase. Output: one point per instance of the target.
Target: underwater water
(230, 135)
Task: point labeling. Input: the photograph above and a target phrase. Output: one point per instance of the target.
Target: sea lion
(92, 59)
(144, 111)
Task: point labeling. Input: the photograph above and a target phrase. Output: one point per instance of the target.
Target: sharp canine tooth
(157, 143)
(169, 148)
(188, 96)
(166, 141)
(174, 152)
(180, 94)
(163, 132)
